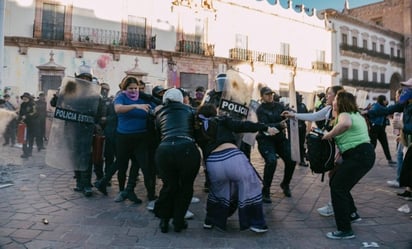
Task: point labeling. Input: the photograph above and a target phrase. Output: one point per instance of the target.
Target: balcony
(365, 84)
(319, 65)
(257, 56)
(136, 40)
(196, 47)
(397, 60)
(96, 36)
(375, 54)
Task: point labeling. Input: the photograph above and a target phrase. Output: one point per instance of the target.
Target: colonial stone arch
(395, 84)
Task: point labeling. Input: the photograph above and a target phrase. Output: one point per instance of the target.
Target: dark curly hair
(346, 102)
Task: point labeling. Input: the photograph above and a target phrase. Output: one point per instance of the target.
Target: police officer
(269, 113)
(105, 108)
(83, 177)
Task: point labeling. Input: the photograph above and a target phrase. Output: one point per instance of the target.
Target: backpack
(320, 153)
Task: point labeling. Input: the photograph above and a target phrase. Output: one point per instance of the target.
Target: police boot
(86, 181)
(79, 185)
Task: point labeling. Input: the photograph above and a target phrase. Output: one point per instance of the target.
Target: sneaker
(263, 229)
(354, 217)
(393, 183)
(121, 196)
(207, 225)
(189, 215)
(326, 210)
(390, 162)
(340, 235)
(286, 190)
(150, 205)
(195, 200)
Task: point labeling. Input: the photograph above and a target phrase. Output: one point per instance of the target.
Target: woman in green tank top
(350, 133)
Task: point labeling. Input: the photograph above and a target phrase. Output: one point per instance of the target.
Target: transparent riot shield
(71, 134)
(236, 95)
(236, 101)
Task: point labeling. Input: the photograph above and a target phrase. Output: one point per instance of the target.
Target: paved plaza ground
(32, 191)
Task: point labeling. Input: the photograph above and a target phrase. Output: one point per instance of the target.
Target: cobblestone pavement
(31, 191)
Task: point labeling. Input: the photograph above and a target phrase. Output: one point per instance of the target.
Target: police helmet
(84, 72)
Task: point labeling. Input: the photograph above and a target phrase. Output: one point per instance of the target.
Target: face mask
(199, 95)
(132, 95)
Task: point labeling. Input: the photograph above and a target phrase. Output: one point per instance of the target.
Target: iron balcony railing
(95, 35)
(371, 53)
(268, 58)
(111, 37)
(136, 40)
(365, 84)
(196, 47)
(320, 65)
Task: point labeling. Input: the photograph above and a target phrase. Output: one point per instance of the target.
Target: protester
(404, 106)
(326, 117)
(350, 133)
(177, 158)
(399, 150)
(132, 139)
(233, 180)
(28, 114)
(11, 129)
(269, 113)
(377, 130)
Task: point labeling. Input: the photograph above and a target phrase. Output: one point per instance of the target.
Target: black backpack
(320, 153)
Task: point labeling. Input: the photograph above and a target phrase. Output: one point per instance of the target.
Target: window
(52, 25)
(320, 55)
(354, 41)
(382, 77)
(136, 32)
(284, 49)
(344, 38)
(355, 74)
(374, 46)
(382, 48)
(398, 53)
(365, 76)
(392, 52)
(365, 44)
(345, 73)
(241, 41)
(375, 77)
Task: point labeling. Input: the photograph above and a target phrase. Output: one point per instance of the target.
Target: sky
(333, 4)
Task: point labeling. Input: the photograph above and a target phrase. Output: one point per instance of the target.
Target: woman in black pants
(350, 133)
(177, 159)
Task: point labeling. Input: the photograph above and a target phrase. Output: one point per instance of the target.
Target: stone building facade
(395, 15)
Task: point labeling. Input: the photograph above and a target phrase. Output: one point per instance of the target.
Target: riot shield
(236, 101)
(236, 95)
(71, 134)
